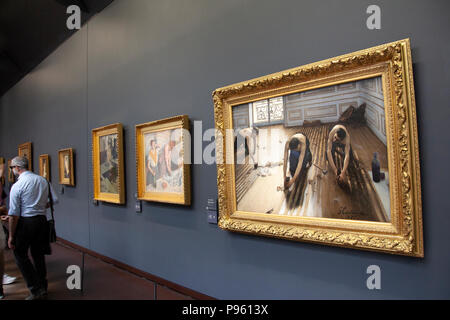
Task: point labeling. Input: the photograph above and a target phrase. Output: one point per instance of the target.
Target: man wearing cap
(28, 227)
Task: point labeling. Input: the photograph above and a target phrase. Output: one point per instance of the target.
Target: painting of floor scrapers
(317, 153)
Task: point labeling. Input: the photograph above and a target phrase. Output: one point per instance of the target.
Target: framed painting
(65, 167)
(10, 172)
(44, 166)
(25, 150)
(324, 153)
(107, 161)
(163, 167)
(2, 170)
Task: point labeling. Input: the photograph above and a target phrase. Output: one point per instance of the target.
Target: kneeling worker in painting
(299, 153)
(338, 148)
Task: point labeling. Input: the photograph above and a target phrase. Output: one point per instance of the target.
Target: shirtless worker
(339, 142)
(299, 153)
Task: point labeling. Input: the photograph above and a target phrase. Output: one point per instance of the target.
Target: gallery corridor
(102, 281)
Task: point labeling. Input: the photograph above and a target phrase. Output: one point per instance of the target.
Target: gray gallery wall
(139, 61)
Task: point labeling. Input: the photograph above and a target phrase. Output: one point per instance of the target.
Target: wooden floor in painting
(318, 195)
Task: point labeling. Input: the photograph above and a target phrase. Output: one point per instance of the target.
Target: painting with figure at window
(109, 171)
(108, 165)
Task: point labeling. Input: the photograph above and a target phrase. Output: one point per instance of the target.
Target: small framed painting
(25, 150)
(2, 170)
(107, 161)
(44, 166)
(10, 172)
(65, 167)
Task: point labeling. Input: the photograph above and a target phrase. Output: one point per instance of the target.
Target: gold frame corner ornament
(404, 234)
(176, 122)
(118, 198)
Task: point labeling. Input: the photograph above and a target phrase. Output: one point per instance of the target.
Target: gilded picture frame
(44, 166)
(10, 172)
(2, 167)
(65, 167)
(159, 180)
(389, 65)
(25, 150)
(107, 163)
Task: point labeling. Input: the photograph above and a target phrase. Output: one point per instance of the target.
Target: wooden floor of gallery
(102, 281)
(318, 195)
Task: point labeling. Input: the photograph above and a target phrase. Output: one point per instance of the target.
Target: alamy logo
(74, 20)
(374, 20)
(374, 281)
(74, 280)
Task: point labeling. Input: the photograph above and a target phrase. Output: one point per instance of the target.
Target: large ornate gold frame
(118, 198)
(404, 234)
